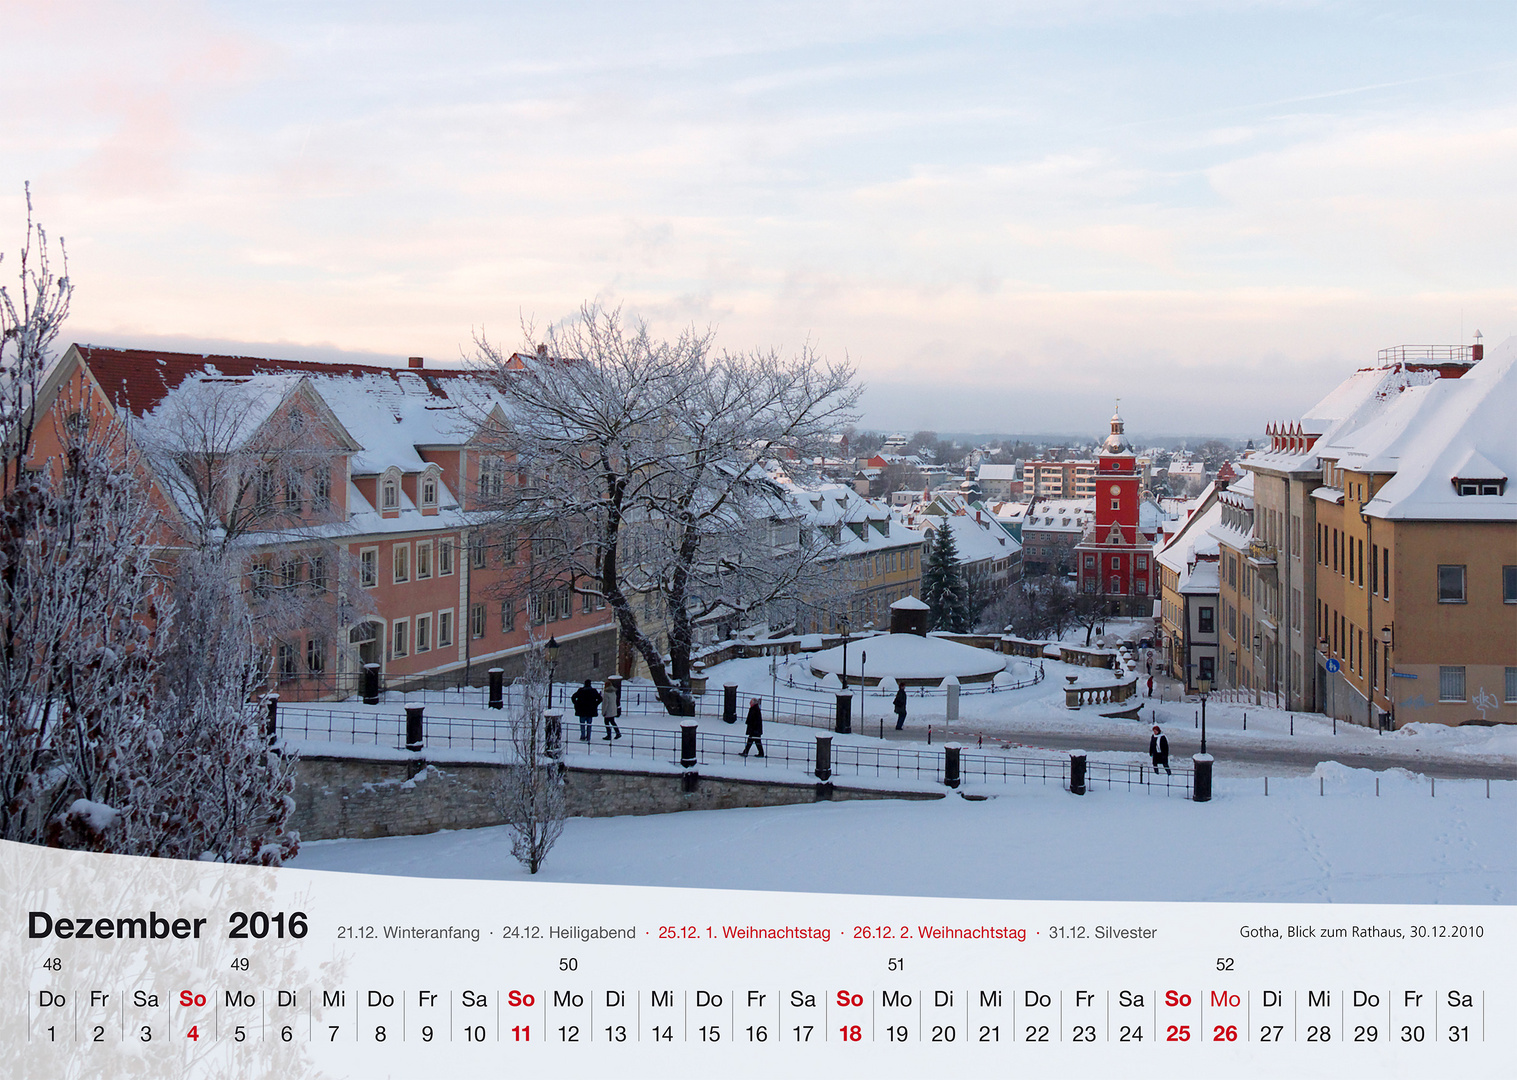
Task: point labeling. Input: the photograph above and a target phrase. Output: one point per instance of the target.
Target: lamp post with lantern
(1387, 636)
(550, 652)
(1204, 686)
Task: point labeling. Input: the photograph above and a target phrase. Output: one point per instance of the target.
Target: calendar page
(141, 967)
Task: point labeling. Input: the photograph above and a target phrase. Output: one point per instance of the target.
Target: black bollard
(553, 724)
(824, 757)
(414, 737)
(497, 688)
(1203, 778)
(271, 725)
(844, 725)
(1077, 772)
(951, 764)
(687, 746)
(371, 684)
(729, 703)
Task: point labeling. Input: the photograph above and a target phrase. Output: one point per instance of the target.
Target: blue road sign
(1332, 664)
(1402, 675)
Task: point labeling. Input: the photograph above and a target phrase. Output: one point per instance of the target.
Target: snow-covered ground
(1324, 838)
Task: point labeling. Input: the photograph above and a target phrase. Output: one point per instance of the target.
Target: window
(1509, 584)
(389, 498)
(1090, 562)
(1208, 669)
(444, 629)
(1481, 487)
(477, 551)
(286, 661)
(1142, 562)
(290, 503)
(1385, 573)
(1116, 504)
(401, 563)
(1232, 622)
(536, 605)
(400, 637)
(289, 573)
(1116, 563)
(587, 603)
(316, 655)
(1451, 585)
(368, 567)
(321, 490)
(429, 491)
(423, 633)
(477, 621)
(1451, 684)
(1511, 685)
(1232, 571)
(318, 575)
(262, 579)
(423, 559)
(264, 497)
(445, 556)
(507, 616)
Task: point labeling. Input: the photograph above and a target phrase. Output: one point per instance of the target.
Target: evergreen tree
(943, 587)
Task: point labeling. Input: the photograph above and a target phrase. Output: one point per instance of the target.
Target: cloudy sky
(1004, 213)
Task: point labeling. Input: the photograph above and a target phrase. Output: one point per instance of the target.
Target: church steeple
(1116, 442)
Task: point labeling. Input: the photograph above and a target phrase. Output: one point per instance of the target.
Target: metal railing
(848, 760)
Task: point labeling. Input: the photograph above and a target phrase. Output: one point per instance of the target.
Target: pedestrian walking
(755, 729)
(1150, 685)
(1158, 749)
(609, 712)
(899, 701)
(586, 702)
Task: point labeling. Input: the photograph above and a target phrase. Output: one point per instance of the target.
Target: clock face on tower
(1116, 489)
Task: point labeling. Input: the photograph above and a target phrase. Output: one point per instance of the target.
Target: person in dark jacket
(899, 701)
(1158, 749)
(755, 729)
(586, 701)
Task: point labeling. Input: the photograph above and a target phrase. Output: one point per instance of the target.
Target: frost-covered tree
(636, 470)
(529, 793)
(247, 461)
(943, 588)
(124, 724)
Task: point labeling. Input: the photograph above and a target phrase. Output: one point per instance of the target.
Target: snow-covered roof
(999, 472)
(1194, 537)
(1434, 434)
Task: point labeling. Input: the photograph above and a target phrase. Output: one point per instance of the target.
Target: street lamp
(1387, 635)
(843, 624)
(863, 659)
(551, 651)
(1204, 686)
(1257, 642)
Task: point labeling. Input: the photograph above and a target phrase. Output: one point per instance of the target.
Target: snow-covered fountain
(907, 654)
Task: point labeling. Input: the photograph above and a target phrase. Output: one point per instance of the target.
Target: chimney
(415, 362)
(1477, 352)
(542, 352)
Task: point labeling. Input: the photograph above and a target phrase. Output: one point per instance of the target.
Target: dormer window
(429, 491)
(389, 498)
(1477, 486)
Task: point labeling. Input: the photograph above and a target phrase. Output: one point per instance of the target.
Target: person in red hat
(1158, 749)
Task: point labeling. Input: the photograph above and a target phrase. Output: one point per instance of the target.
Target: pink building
(381, 470)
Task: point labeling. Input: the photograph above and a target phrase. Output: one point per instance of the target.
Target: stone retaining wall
(360, 799)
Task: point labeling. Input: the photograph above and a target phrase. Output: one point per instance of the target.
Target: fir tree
(943, 588)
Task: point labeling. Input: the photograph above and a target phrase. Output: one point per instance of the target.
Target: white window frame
(368, 580)
(508, 616)
(423, 548)
(400, 638)
(389, 494)
(1447, 674)
(428, 480)
(423, 633)
(400, 564)
(445, 628)
(477, 621)
(445, 556)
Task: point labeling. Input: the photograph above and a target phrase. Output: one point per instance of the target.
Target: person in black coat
(586, 701)
(899, 701)
(755, 729)
(1158, 749)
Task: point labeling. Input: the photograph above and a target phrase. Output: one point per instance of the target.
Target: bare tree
(529, 793)
(635, 467)
(250, 466)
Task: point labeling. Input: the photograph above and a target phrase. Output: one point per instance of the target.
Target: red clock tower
(1114, 560)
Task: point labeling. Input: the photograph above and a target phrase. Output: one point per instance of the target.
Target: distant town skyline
(1006, 214)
